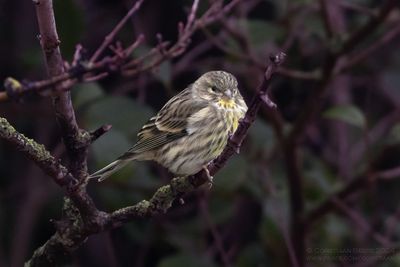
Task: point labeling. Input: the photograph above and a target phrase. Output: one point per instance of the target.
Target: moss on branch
(37, 153)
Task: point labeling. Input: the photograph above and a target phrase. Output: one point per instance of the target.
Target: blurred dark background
(336, 129)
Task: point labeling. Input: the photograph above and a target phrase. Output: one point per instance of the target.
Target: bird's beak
(228, 93)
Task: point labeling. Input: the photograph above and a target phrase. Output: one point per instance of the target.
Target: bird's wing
(169, 124)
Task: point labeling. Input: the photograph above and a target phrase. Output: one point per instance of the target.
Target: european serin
(191, 129)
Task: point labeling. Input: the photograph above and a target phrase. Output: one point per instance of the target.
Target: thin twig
(389, 174)
(363, 54)
(364, 31)
(359, 8)
(360, 222)
(110, 37)
(216, 235)
(357, 184)
(99, 132)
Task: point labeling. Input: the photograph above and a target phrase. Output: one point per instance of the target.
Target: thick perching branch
(37, 153)
(76, 141)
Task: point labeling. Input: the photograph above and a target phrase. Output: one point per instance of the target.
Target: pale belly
(188, 155)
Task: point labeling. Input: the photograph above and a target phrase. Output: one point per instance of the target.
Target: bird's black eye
(214, 88)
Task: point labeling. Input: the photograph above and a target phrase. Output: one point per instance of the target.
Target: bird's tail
(105, 172)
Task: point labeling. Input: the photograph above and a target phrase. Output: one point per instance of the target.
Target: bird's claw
(209, 176)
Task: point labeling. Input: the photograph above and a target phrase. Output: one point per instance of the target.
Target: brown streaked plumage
(190, 130)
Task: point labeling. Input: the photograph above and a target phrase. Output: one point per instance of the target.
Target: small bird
(190, 130)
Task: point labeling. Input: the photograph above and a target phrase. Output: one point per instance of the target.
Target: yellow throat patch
(227, 103)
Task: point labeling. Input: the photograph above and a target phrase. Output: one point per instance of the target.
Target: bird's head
(219, 87)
